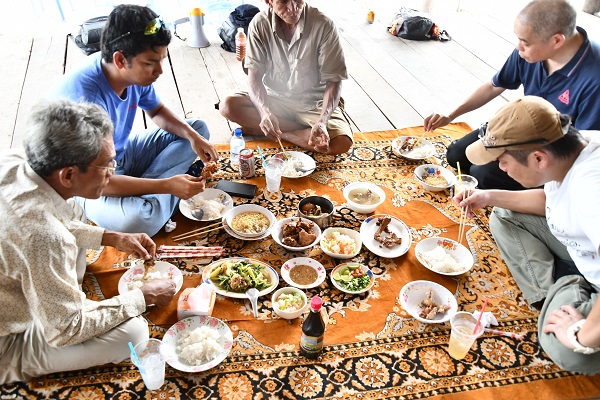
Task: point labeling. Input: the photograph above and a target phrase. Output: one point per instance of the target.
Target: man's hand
(139, 244)
(435, 121)
(159, 292)
(185, 186)
(205, 150)
(319, 137)
(269, 125)
(474, 199)
(559, 320)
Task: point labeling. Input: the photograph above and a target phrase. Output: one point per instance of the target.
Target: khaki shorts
(336, 126)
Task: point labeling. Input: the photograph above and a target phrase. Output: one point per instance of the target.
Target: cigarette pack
(196, 301)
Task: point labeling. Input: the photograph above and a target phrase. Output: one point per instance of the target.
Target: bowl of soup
(363, 197)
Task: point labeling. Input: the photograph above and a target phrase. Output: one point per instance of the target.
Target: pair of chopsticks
(164, 251)
(285, 154)
(463, 211)
(198, 232)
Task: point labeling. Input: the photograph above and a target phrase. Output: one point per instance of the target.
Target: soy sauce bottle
(313, 329)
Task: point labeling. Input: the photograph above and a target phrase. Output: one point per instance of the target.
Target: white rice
(212, 208)
(290, 166)
(440, 261)
(419, 152)
(199, 346)
(137, 281)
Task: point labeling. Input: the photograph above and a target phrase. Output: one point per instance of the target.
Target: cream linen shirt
(41, 238)
(296, 73)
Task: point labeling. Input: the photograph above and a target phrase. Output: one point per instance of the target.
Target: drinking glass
(152, 363)
(273, 171)
(462, 336)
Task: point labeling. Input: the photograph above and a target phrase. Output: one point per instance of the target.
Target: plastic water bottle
(240, 44)
(237, 143)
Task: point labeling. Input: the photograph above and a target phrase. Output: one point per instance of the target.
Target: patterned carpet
(373, 348)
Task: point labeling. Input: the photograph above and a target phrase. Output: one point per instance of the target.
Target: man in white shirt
(548, 237)
(48, 324)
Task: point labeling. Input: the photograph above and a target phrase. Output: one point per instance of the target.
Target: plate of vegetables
(231, 277)
(352, 278)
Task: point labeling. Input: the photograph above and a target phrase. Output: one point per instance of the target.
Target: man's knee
(456, 154)
(226, 107)
(199, 126)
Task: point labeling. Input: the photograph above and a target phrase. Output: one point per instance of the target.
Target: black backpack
(414, 25)
(88, 38)
(239, 18)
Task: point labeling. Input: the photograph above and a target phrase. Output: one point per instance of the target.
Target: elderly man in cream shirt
(295, 70)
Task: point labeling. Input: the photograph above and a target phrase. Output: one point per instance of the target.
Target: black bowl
(327, 210)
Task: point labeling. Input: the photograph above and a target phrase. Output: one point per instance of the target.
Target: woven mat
(373, 348)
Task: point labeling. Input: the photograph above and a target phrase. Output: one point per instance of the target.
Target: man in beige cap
(548, 237)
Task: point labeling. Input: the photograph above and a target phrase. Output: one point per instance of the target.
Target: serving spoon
(252, 295)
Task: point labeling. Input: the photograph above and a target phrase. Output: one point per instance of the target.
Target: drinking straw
(480, 314)
(264, 162)
(459, 173)
(135, 357)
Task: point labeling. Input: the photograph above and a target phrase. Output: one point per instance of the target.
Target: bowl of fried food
(363, 197)
(296, 233)
(250, 220)
(428, 302)
(434, 178)
(318, 209)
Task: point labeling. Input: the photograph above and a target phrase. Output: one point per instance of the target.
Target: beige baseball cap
(526, 123)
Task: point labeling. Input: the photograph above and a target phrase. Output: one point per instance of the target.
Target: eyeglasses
(111, 168)
(487, 145)
(151, 28)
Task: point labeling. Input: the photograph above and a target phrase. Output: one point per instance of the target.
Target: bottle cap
(237, 132)
(316, 303)
(240, 29)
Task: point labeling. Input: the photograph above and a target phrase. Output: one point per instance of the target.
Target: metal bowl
(327, 210)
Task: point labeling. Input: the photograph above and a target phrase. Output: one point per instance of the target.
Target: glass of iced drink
(273, 171)
(464, 182)
(463, 334)
(152, 363)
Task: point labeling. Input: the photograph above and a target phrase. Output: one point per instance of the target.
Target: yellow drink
(462, 336)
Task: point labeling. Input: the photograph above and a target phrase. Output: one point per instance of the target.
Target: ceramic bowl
(327, 210)
(413, 293)
(363, 208)
(289, 314)
(335, 277)
(422, 171)
(287, 267)
(457, 251)
(228, 218)
(277, 233)
(329, 247)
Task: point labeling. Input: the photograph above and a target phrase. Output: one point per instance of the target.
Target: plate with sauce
(303, 272)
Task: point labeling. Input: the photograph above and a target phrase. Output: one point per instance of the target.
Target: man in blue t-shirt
(554, 59)
(151, 166)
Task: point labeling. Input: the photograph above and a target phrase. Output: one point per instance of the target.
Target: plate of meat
(296, 233)
(385, 235)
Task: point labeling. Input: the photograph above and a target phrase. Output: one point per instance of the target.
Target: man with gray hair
(48, 324)
(554, 59)
(548, 237)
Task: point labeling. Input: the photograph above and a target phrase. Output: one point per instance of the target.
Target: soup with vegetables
(303, 274)
(363, 196)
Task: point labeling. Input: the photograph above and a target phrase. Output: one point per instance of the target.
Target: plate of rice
(295, 160)
(444, 256)
(197, 343)
(134, 277)
(213, 202)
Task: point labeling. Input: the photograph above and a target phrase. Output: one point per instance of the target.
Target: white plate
(273, 277)
(160, 266)
(169, 342)
(207, 194)
(277, 235)
(306, 160)
(363, 267)
(229, 215)
(413, 293)
(289, 264)
(423, 150)
(456, 250)
(367, 233)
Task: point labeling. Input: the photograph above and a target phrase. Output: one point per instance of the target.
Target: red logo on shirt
(564, 98)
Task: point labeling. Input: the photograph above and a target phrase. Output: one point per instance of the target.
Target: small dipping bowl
(327, 209)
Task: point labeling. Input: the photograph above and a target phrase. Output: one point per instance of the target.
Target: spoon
(252, 295)
(197, 213)
(305, 169)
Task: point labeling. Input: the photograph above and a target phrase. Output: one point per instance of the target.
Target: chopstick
(188, 251)
(503, 333)
(285, 155)
(199, 231)
(463, 218)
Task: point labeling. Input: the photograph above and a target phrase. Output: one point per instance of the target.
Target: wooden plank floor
(393, 82)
